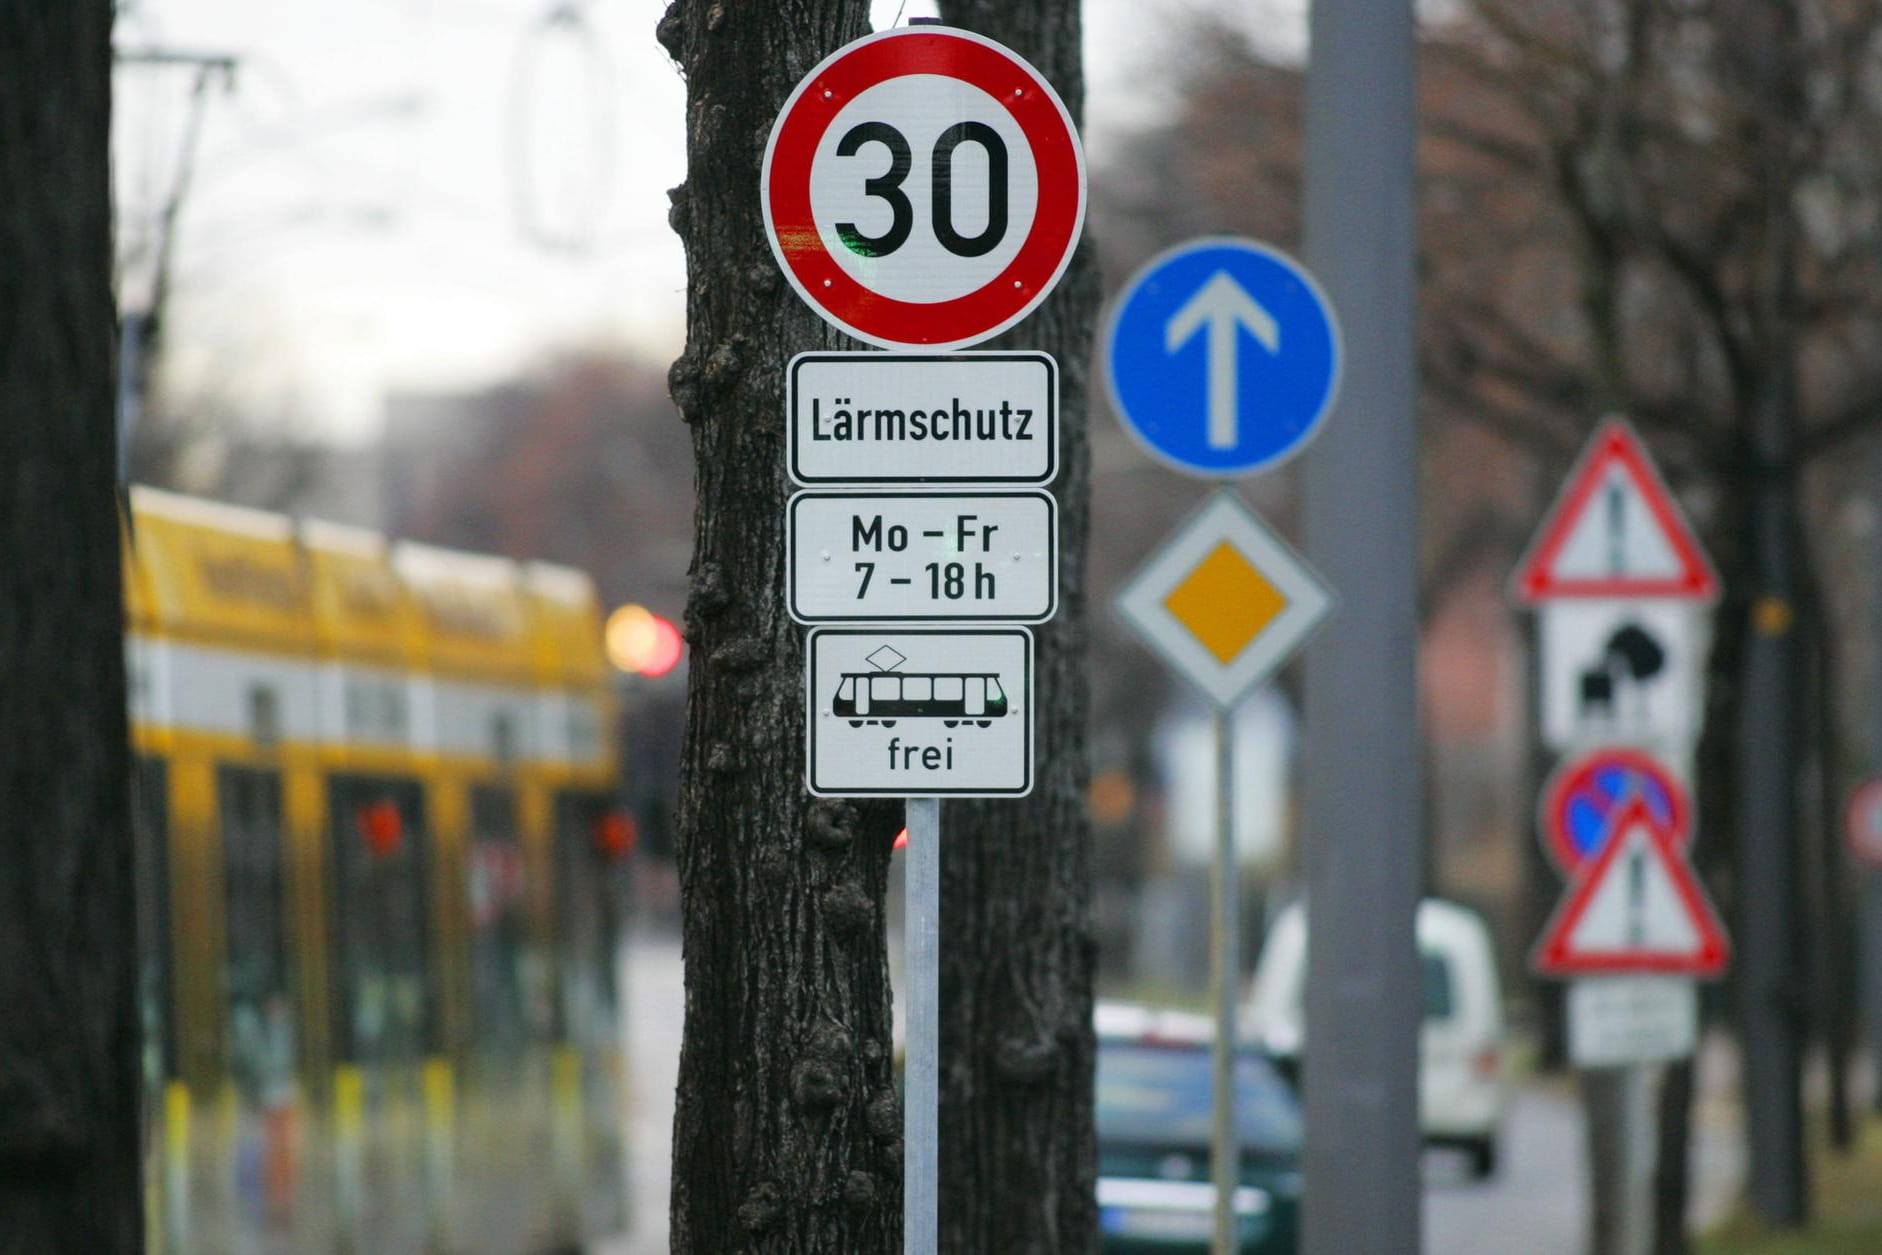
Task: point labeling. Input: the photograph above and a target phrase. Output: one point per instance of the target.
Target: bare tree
(1018, 1153)
(69, 1146)
(1671, 211)
(787, 1130)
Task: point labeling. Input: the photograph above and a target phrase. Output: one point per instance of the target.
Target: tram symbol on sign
(882, 696)
(919, 712)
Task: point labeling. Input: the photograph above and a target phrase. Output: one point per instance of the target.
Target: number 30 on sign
(923, 187)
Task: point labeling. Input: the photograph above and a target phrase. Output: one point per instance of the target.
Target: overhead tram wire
(587, 197)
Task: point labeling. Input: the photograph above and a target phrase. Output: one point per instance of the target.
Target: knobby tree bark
(787, 1128)
(1018, 1154)
(69, 1144)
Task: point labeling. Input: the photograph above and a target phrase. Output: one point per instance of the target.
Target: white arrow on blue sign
(1222, 356)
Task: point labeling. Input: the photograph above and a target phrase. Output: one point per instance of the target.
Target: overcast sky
(436, 193)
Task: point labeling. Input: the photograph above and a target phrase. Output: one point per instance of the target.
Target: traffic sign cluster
(1225, 601)
(1623, 591)
(923, 190)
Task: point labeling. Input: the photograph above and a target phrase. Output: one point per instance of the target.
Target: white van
(1461, 1091)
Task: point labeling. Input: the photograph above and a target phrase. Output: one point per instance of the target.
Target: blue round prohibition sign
(1222, 356)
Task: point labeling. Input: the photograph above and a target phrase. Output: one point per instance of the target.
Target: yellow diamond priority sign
(1225, 601)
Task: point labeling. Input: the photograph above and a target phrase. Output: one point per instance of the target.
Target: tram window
(383, 1007)
(588, 921)
(846, 691)
(917, 689)
(994, 692)
(947, 688)
(149, 817)
(885, 688)
(261, 1014)
(506, 974)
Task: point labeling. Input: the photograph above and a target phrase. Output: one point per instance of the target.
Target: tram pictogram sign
(920, 712)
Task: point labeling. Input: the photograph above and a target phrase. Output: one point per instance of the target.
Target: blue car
(1154, 1115)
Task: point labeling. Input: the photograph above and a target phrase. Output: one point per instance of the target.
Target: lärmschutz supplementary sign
(915, 418)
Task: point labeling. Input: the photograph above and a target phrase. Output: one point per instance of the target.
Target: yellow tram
(381, 875)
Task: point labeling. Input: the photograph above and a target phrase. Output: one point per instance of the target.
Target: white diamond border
(1224, 518)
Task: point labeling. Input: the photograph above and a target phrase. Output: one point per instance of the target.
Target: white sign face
(919, 713)
(1615, 531)
(923, 187)
(1622, 672)
(1225, 601)
(1617, 1021)
(901, 418)
(1636, 907)
(873, 557)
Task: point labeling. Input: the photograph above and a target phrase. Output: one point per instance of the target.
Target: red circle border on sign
(1003, 300)
(1575, 771)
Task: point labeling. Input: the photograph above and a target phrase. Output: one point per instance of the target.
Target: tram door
(383, 1005)
(507, 1069)
(590, 891)
(165, 1164)
(258, 999)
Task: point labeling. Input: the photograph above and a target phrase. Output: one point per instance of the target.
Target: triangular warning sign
(1615, 531)
(1637, 907)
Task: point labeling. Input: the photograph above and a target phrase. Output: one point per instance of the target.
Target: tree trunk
(69, 1143)
(1018, 1155)
(1771, 718)
(786, 1132)
(1672, 1174)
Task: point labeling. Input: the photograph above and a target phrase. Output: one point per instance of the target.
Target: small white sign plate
(1622, 672)
(1618, 1021)
(940, 712)
(902, 418)
(877, 557)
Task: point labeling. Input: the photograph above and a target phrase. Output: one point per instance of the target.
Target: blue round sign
(1222, 356)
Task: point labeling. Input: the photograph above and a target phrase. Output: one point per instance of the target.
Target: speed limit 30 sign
(923, 188)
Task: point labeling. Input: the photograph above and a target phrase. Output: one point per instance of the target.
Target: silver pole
(1639, 1128)
(1363, 831)
(921, 1100)
(1225, 925)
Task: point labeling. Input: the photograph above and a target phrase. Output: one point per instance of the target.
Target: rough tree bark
(69, 1145)
(1018, 1155)
(787, 1128)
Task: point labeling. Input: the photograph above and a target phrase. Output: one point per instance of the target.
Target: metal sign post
(1225, 602)
(1623, 590)
(1225, 961)
(958, 719)
(921, 1090)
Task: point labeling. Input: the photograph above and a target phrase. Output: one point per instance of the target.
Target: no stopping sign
(923, 187)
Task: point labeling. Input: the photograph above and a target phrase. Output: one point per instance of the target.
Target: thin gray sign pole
(1638, 1138)
(1362, 835)
(921, 1089)
(1225, 933)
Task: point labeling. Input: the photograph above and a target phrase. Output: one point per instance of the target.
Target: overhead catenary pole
(1362, 814)
(1770, 723)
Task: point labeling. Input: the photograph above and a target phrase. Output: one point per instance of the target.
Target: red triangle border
(1614, 441)
(1552, 957)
